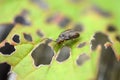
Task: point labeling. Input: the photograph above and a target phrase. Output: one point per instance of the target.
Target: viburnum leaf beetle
(67, 35)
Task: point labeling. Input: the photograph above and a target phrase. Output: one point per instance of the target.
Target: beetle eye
(77, 34)
(62, 36)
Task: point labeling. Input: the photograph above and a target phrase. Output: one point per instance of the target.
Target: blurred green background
(52, 17)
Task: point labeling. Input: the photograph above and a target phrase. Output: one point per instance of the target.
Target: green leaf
(79, 13)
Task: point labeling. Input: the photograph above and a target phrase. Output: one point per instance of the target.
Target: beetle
(67, 35)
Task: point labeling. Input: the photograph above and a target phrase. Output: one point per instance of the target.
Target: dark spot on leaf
(106, 64)
(27, 37)
(82, 59)
(41, 3)
(118, 38)
(111, 28)
(103, 13)
(56, 18)
(7, 49)
(78, 27)
(76, 1)
(5, 30)
(64, 22)
(4, 70)
(64, 54)
(81, 44)
(16, 38)
(49, 19)
(42, 54)
(39, 33)
(24, 12)
(21, 20)
(99, 39)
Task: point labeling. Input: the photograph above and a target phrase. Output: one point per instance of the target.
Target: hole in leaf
(64, 22)
(81, 44)
(78, 27)
(16, 38)
(99, 38)
(82, 59)
(27, 37)
(106, 63)
(118, 38)
(4, 70)
(7, 49)
(39, 33)
(42, 54)
(64, 54)
(4, 30)
(111, 28)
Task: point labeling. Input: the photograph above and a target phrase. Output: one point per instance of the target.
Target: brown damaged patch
(82, 59)
(101, 12)
(59, 19)
(27, 37)
(39, 33)
(49, 19)
(7, 49)
(64, 22)
(64, 54)
(42, 54)
(56, 18)
(78, 27)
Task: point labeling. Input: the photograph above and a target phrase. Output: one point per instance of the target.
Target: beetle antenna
(47, 40)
